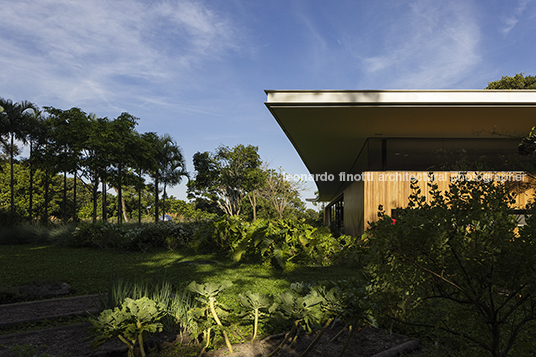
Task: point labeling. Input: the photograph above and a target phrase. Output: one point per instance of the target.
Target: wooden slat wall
(391, 191)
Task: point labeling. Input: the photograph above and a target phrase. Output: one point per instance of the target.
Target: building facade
(365, 147)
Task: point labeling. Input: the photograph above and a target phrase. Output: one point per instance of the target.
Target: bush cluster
(133, 237)
(279, 242)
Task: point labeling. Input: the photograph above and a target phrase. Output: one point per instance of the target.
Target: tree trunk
(45, 218)
(74, 198)
(119, 197)
(156, 199)
(252, 197)
(164, 202)
(30, 213)
(123, 211)
(139, 200)
(12, 180)
(104, 210)
(64, 203)
(95, 193)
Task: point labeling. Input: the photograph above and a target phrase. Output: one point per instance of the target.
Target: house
(363, 148)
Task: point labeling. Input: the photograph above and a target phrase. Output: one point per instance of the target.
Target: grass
(89, 271)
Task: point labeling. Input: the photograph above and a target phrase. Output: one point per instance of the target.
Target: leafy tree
(279, 191)
(95, 161)
(14, 124)
(459, 264)
(120, 149)
(226, 176)
(69, 130)
(519, 81)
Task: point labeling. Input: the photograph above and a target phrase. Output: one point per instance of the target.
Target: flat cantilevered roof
(329, 128)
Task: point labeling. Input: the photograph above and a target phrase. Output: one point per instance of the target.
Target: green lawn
(89, 271)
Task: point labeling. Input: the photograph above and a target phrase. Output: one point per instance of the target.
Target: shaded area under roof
(329, 129)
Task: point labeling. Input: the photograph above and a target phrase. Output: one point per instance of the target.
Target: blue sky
(197, 70)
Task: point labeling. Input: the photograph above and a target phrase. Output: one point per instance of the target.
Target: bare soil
(74, 340)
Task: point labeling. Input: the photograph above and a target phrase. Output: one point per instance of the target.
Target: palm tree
(14, 125)
(172, 165)
(37, 137)
(167, 166)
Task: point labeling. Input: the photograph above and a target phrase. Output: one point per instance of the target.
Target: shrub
(24, 233)
(277, 242)
(131, 236)
(458, 264)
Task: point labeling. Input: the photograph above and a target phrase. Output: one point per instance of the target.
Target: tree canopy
(226, 176)
(519, 81)
(74, 143)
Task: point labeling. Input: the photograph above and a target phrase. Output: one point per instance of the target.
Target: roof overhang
(329, 128)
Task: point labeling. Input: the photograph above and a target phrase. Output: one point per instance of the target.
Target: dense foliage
(279, 242)
(72, 154)
(519, 81)
(460, 264)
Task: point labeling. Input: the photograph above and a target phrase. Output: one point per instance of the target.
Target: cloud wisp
(97, 50)
(433, 44)
(513, 18)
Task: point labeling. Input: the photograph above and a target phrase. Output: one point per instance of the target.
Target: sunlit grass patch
(89, 271)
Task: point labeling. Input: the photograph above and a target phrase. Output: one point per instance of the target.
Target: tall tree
(37, 137)
(14, 124)
(279, 191)
(171, 165)
(120, 150)
(226, 176)
(165, 163)
(70, 132)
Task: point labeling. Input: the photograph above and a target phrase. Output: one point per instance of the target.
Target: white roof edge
(480, 96)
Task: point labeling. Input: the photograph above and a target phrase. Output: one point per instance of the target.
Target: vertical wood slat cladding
(391, 191)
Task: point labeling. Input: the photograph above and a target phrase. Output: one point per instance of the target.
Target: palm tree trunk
(12, 182)
(31, 184)
(139, 201)
(164, 202)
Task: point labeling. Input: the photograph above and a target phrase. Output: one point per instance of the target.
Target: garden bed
(75, 339)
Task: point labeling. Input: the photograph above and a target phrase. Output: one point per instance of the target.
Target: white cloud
(511, 21)
(97, 49)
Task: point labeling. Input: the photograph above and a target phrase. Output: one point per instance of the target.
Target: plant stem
(317, 338)
(347, 341)
(130, 346)
(285, 339)
(255, 325)
(213, 310)
(140, 341)
(338, 334)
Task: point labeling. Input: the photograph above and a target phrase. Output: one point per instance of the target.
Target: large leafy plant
(276, 242)
(256, 304)
(208, 293)
(303, 311)
(129, 323)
